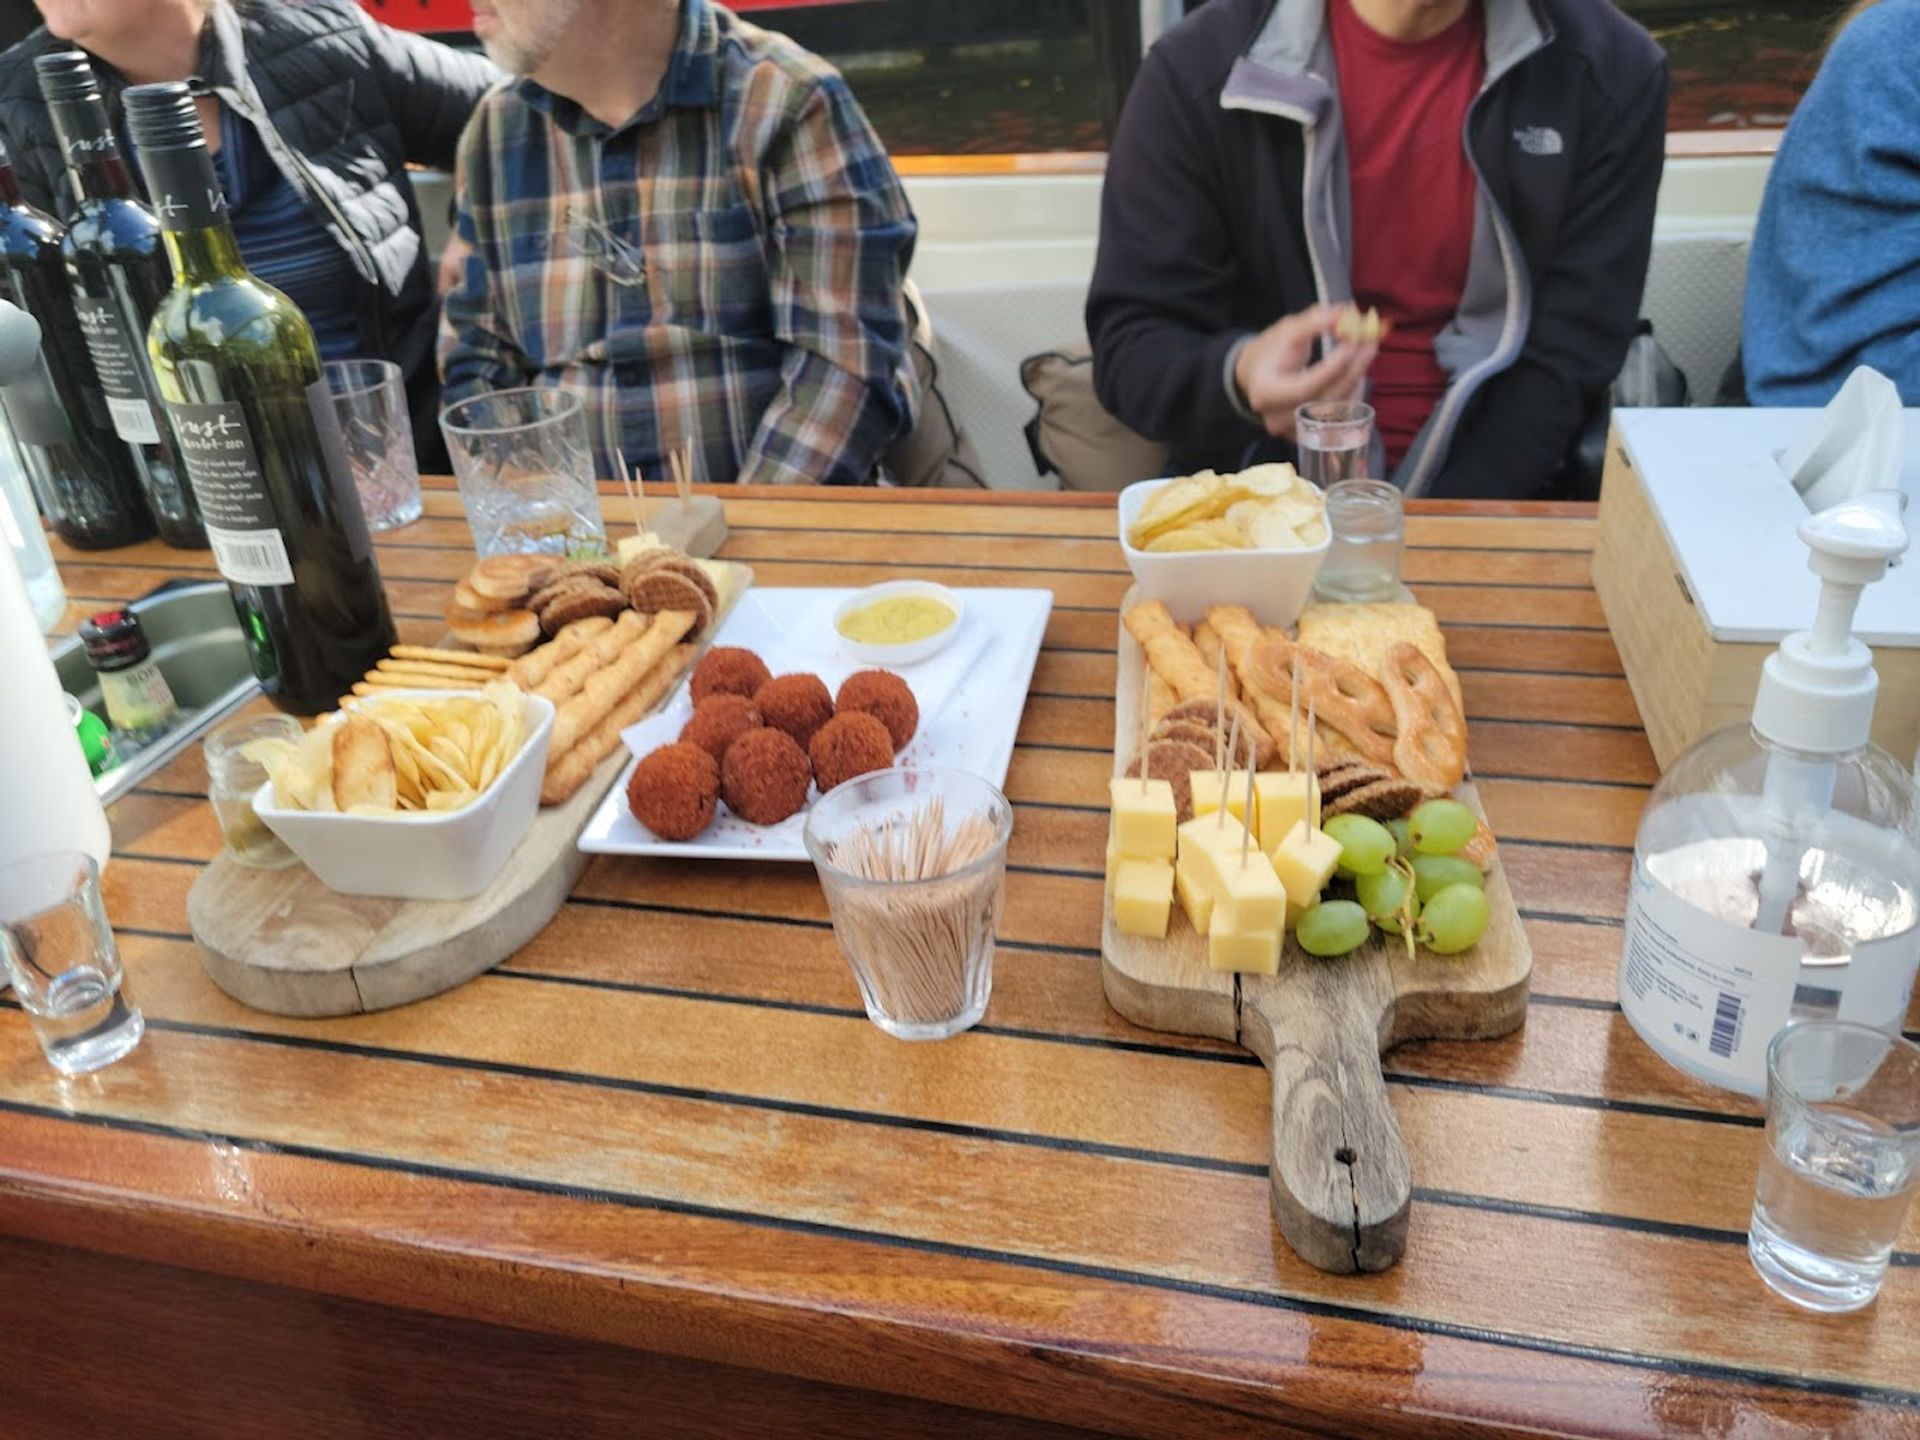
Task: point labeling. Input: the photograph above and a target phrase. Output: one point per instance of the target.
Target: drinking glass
(232, 779)
(1368, 532)
(59, 954)
(1842, 1161)
(525, 472)
(370, 400)
(1335, 440)
(921, 949)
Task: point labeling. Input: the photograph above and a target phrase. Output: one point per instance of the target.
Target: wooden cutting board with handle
(1340, 1180)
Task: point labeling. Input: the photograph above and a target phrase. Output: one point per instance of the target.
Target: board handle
(1340, 1177)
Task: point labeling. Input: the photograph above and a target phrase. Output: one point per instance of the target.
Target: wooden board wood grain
(1340, 1181)
(280, 941)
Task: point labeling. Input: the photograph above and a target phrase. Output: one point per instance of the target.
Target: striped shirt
(725, 269)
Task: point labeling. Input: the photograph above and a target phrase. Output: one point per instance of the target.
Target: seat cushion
(1074, 436)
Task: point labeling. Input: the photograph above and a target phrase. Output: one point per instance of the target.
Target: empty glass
(1842, 1161)
(1334, 439)
(914, 866)
(525, 472)
(370, 399)
(59, 954)
(1368, 534)
(232, 779)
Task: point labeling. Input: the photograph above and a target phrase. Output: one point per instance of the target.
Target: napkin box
(1701, 572)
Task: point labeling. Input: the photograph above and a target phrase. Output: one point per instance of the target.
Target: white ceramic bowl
(1273, 584)
(422, 855)
(892, 657)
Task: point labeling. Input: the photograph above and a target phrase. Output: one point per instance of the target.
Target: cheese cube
(1252, 952)
(1204, 836)
(1143, 898)
(1280, 800)
(1305, 862)
(1210, 785)
(1144, 818)
(1251, 898)
(1194, 895)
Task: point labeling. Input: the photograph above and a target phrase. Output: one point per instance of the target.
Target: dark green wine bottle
(119, 272)
(254, 423)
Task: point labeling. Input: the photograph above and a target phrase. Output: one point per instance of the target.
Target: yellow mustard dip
(897, 620)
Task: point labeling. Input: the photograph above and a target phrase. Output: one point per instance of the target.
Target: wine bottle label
(224, 469)
(118, 365)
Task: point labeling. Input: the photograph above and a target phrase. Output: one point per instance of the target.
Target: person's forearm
(825, 427)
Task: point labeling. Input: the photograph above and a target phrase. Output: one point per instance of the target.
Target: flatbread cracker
(1362, 635)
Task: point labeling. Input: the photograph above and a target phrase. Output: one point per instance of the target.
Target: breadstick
(1241, 635)
(535, 666)
(1170, 653)
(1160, 698)
(599, 651)
(378, 681)
(437, 670)
(566, 774)
(1206, 640)
(602, 690)
(472, 658)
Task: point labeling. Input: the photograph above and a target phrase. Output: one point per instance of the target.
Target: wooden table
(657, 1175)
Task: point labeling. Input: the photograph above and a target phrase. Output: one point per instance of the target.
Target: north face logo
(1538, 140)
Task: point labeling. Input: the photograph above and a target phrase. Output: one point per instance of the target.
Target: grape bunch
(1409, 879)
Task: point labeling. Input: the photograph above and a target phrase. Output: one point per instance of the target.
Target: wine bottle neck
(193, 214)
(93, 155)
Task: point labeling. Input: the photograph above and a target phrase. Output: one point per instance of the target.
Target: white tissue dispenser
(1699, 564)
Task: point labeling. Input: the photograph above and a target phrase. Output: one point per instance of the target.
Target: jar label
(119, 369)
(138, 698)
(1713, 992)
(224, 469)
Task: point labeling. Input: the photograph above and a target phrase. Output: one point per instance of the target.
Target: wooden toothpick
(1312, 770)
(1146, 719)
(1219, 705)
(634, 501)
(1246, 834)
(1233, 746)
(1293, 719)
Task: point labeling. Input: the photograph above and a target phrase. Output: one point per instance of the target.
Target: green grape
(1382, 895)
(1402, 837)
(1432, 873)
(1365, 845)
(1441, 827)
(1453, 920)
(1331, 928)
(1391, 923)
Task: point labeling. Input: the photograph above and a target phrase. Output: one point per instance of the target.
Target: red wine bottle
(119, 273)
(83, 477)
(254, 421)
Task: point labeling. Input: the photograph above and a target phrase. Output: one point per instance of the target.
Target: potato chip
(363, 769)
(1265, 507)
(1202, 535)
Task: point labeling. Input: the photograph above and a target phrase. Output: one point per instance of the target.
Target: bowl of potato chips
(1255, 538)
(410, 794)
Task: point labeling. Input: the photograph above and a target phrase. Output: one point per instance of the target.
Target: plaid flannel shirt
(725, 269)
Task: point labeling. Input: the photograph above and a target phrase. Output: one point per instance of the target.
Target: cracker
(1362, 635)
(1383, 800)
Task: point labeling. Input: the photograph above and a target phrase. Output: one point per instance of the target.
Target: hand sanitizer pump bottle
(1776, 875)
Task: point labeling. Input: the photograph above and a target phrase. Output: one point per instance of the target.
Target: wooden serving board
(1340, 1180)
(280, 941)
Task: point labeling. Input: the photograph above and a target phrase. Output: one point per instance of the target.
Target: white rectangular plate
(971, 696)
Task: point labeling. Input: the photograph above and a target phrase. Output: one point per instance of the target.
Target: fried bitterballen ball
(718, 721)
(885, 696)
(797, 704)
(850, 744)
(728, 670)
(764, 776)
(673, 791)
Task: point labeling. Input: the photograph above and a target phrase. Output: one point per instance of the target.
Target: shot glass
(525, 472)
(1334, 439)
(232, 779)
(1367, 526)
(914, 866)
(59, 954)
(1842, 1161)
(370, 401)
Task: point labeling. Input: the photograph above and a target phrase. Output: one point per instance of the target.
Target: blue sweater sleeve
(1833, 280)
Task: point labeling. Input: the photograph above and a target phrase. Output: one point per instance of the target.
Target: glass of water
(525, 472)
(1842, 1161)
(1367, 526)
(1335, 440)
(59, 954)
(370, 401)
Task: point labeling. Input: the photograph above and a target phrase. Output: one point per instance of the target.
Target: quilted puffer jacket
(343, 105)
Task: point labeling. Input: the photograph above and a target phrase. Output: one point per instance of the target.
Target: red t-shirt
(1403, 106)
